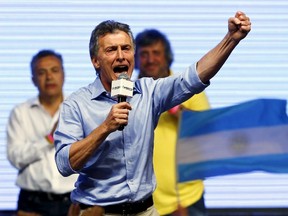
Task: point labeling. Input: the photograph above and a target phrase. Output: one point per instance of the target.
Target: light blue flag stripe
(242, 138)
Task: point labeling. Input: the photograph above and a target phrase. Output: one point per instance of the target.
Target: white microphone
(122, 88)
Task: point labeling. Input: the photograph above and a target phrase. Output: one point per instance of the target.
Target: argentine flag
(246, 137)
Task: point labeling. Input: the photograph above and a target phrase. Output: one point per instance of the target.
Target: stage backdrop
(257, 68)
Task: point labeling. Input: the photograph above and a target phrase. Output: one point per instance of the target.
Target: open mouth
(120, 69)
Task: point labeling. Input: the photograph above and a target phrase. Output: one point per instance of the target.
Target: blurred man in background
(154, 58)
(30, 143)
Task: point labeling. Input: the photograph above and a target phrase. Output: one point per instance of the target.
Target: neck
(51, 104)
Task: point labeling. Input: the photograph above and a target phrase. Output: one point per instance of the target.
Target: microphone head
(123, 75)
(123, 86)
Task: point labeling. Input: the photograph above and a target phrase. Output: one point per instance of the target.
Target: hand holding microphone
(122, 88)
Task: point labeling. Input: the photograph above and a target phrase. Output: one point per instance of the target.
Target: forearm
(210, 64)
(81, 151)
(22, 147)
(22, 154)
(73, 147)
(238, 28)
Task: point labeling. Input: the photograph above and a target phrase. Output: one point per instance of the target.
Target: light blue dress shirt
(121, 169)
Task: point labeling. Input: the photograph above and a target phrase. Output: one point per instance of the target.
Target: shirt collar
(34, 102)
(97, 88)
(137, 89)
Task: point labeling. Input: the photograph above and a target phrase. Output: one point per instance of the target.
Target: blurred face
(152, 62)
(115, 55)
(48, 77)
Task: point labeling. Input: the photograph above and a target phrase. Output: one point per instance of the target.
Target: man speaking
(115, 167)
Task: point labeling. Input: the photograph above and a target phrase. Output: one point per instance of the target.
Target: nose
(150, 58)
(120, 55)
(49, 74)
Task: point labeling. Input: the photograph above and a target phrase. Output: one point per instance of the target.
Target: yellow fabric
(165, 195)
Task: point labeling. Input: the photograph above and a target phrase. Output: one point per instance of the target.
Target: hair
(152, 36)
(42, 54)
(106, 27)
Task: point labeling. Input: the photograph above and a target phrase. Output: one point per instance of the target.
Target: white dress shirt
(31, 153)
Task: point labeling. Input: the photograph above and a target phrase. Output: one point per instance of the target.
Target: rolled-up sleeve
(192, 80)
(174, 90)
(62, 161)
(65, 135)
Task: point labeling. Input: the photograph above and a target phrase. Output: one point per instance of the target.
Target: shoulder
(34, 101)
(83, 91)
(24, 108)
(79, 94)
(144, 84)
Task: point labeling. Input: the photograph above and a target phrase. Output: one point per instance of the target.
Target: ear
(95, 62)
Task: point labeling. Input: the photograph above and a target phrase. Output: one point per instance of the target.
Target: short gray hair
(105, 27)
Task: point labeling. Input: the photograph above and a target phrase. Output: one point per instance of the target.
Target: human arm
(238, 27)
(26, 143)
(81, 150)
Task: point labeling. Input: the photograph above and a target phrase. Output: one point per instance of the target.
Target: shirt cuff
(63, 163)
(196, 85)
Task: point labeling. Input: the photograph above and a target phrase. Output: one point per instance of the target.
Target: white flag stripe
(231, 144)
